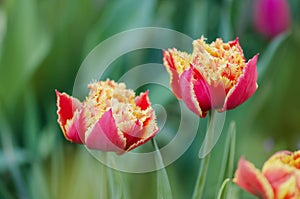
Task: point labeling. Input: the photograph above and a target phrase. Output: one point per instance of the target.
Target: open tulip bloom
(214, 76)
(279, 178)
(111, 118)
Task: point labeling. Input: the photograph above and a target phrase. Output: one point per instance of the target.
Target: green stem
(198, 190)
(105, 179)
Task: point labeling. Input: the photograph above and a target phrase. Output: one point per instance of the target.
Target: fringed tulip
(214, 76)
(271, 17)
(111, 118)
(279, 178)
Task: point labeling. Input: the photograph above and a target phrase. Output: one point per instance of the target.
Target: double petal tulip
(279, 178)
(214, 76)
(111, 118)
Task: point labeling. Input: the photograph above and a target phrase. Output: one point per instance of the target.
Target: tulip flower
(214, 76)
(279, 178)
(111, 118)
(271, 17)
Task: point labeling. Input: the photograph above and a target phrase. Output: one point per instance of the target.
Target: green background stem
(200, 183)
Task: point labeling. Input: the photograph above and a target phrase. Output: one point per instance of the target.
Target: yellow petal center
(292, 160)
(219, 62)
(105, 95)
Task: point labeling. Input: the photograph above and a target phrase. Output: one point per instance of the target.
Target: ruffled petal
(132, 131)
(139, 132)
(282, 178)
(237, 44)
(75, 128)
(196, 93)
(105, 136)
(252, 180)
(143, 101)
(68, 112)
(174, 76)
(142, 141)
(245, 87)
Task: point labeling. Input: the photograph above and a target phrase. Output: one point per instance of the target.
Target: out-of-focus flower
(111, 118)
(271, 17)
(214, 76)
(279, 178)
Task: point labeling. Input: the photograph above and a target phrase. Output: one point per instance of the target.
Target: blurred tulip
(111, 118)
(279, 178)
(214, 76)
(271, 17)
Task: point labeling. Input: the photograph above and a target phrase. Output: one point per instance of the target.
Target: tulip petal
(69, 116)
(282, 178)
(140, 133)
(105, 136)
(143, 101)
(75, 128)
(174, 76)
(245, 87)
(237, 44)
(142, 141)
(252, 180)
(196, 93)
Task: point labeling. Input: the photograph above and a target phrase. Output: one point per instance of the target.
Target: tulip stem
(198, 190)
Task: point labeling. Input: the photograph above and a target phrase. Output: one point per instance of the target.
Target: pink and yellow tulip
(111, 118)
(278, 179)
(214, 76)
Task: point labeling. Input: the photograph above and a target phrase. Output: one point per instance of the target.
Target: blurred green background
(42, 45)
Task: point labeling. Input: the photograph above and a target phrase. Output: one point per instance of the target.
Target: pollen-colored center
(219, 63)
(105, 95)
(292, 160)
(182, 60)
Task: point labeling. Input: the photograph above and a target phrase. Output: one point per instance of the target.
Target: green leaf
(38, 179)
(46, 141)
(5, 192)
(266, 58)
(10, 157)
(222, 191)
(31, 121)
(225, 28)
(197, 19)
(163, 186)
(25, 45)
(117, 188)
(117, 17)
(228, 156)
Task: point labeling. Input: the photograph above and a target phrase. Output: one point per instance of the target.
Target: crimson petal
(68, 116)
(245, 87)
(174, 77)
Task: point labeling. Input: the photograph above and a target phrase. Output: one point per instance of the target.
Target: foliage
(42, 45)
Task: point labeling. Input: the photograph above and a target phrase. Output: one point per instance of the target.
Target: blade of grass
(116, 183)
(225, 29)
(266, 58)
(10, 158)
(113, 12)
(163, 186)
(228, 156)
(223, 188)
(31, 122)
(38, 179)
(26, 38)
